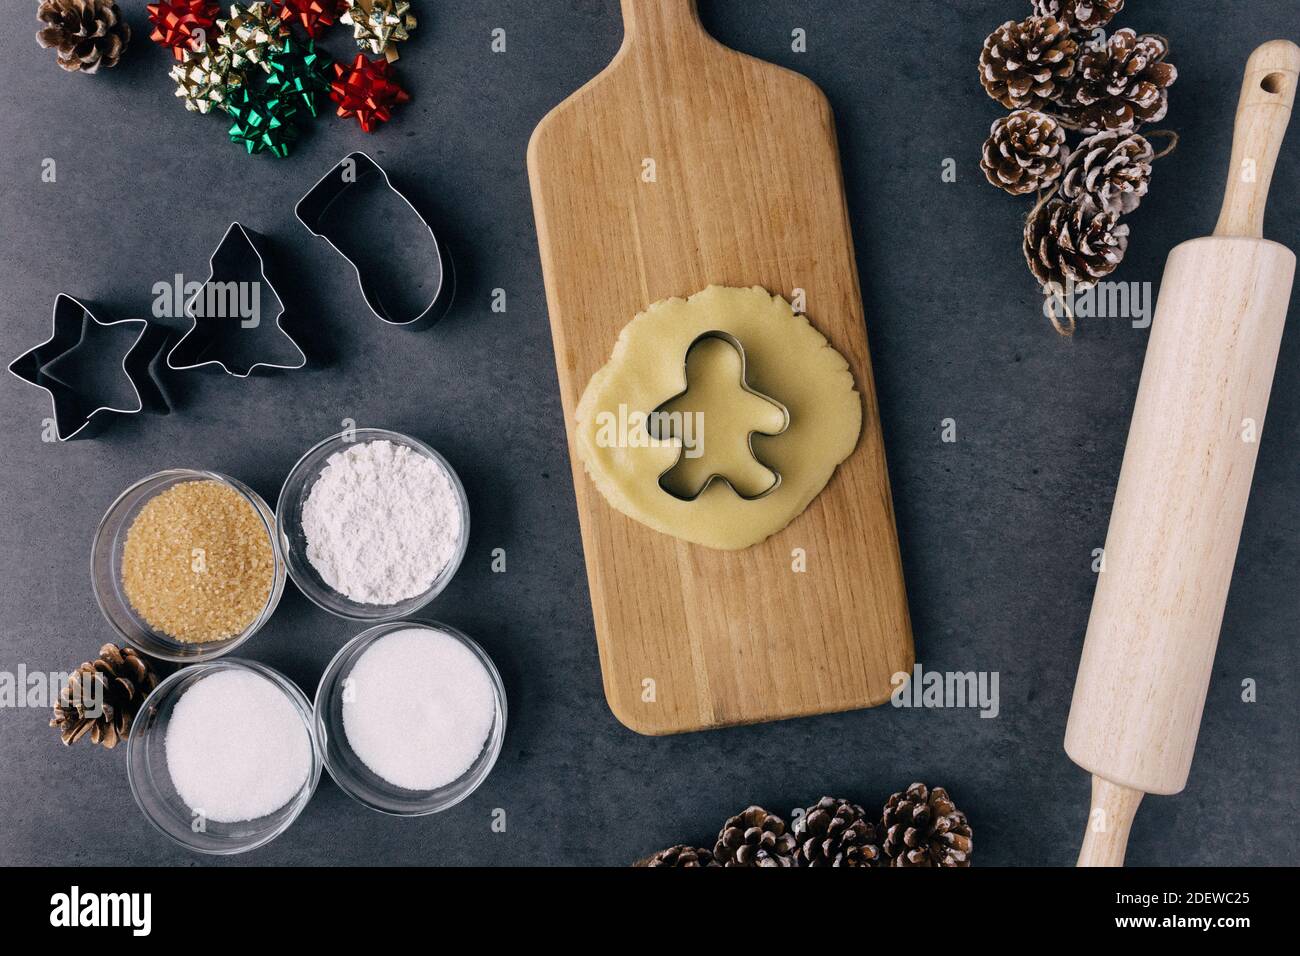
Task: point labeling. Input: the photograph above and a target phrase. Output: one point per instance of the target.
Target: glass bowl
(151, 782)
(106, 569)
(359, 781)
(293, 542)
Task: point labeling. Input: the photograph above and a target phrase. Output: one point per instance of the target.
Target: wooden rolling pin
(1184, 483)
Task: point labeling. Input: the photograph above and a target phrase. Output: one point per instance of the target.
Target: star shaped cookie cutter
(657, 416)
(74, 410)
(236, 255)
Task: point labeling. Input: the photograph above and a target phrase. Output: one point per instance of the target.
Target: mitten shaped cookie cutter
(213, 327)
(49, 366)
(658, 416)
(348, 182)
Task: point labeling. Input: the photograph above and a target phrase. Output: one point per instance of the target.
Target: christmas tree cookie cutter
(227, 309)
(55, 367)
(329, 210)
(658, 417)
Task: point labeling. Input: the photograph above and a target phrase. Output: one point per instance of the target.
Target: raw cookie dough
(788, 360)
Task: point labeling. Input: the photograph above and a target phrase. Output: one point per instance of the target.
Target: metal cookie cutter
(53, 367)
(329, 210)
(215, 312)
(657, 416)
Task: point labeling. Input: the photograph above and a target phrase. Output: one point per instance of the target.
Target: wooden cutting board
(746, 190)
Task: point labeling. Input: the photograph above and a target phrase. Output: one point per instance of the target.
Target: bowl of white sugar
(410, 717)
(223, 756)
(373, 524)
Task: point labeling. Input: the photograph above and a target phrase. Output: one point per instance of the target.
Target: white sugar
(417, 708)
(237, 748)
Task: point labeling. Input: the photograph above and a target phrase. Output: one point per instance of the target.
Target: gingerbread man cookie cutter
(658, 416)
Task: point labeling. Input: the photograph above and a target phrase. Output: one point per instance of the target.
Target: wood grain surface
(1178, 511)
(747, 190)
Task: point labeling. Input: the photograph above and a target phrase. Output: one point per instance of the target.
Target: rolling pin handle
(1105, 839)
(1267, 95)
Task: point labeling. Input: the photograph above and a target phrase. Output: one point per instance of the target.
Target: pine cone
(1110, 169)
(836, 833)
(1027, 65)
(1024, 152)
(754, 837)
(1073, 243)
(680, 856)
(924, 828)
(1121, 84)
(88, 34)
(1081, 16)
(103, 696)
(1077, 243)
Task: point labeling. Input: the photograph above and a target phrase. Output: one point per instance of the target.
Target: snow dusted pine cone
(1024, 152)
(1081, 16)
(680, 856)
(924, 828)
(1073, 242)
(1027, 65)
(754, 837)
(1110, 169)
(837, 833)
(1122, 84)
(87, 34)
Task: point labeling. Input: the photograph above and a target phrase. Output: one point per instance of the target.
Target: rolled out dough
(787, 360)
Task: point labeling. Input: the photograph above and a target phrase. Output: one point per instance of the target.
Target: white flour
(381, 522)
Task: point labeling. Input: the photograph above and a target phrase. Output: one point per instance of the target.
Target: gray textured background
(997, 529)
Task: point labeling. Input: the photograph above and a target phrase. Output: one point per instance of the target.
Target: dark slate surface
(997, 528)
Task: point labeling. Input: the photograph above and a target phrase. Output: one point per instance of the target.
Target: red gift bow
(368, 90)
(313, 15)
(174, 24)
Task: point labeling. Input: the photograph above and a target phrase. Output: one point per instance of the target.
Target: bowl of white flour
(373, 524)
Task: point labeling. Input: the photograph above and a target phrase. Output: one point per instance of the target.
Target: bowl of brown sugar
(185, 565)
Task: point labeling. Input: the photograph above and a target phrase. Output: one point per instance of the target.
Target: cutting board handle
(1267, 95)
(660, 19)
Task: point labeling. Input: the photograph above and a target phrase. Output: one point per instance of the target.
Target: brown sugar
(198, 564)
